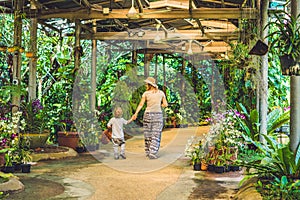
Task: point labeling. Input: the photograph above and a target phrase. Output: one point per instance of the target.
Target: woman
(153, 118)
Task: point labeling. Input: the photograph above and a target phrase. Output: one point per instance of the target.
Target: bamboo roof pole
(33, 60)
(17, 55)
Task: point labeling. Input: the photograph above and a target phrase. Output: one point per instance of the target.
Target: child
(116, 123)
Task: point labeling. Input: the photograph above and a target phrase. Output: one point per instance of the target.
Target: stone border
(52, 156)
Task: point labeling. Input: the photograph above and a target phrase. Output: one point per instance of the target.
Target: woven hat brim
(149, 82)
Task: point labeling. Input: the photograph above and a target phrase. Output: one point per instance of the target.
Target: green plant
(250, 122)
(34, 116)
(8, 157)
(280, 188)
(278, 161)
(25, 155)
(195, 150)
(278, 169)
(8, 132)
(285, 35)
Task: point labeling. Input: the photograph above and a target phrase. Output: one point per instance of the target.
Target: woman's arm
(141, 104)
(164, 102)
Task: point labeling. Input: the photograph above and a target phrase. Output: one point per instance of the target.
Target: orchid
(34, 116)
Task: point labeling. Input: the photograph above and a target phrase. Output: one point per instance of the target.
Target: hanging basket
(286, 62)
(260, 48)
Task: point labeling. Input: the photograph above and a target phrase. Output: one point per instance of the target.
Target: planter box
(37, 139)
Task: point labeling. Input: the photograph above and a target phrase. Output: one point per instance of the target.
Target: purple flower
(13, 136)
(287, 108)
(36, 106)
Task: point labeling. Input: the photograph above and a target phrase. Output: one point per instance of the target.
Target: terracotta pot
(204, 166)
(68, 139)
(2, 160)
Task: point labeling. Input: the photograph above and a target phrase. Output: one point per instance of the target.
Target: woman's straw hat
(151, 81)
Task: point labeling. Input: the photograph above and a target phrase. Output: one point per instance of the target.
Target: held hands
(134, 117)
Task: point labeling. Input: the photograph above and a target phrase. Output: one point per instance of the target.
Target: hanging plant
(285, 41)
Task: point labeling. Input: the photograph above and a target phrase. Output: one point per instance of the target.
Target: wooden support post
(164, 73)
(156, 65)
(182, 83)
(77, 46)
(33, 60)
(146, 64)
(17, 55)
(93, 71)
(134, 55)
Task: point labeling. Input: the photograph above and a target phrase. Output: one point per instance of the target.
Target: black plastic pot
(211, 168)
(8, 169)
(25, 168)
(197, 166)
(235, 168)
(80, 149)
(219, 169)
(17, 166)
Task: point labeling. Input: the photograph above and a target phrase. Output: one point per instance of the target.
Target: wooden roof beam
(222, 3)
(201, 13)
(150, 35)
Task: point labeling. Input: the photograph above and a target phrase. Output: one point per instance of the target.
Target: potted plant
(33, 114)
(8, 135)
(285, 41)
(68, 135)
(195, 151)
(8, 157)
(26, 158)
(21, 152)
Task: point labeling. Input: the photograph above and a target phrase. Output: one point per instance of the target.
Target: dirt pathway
(97, 176)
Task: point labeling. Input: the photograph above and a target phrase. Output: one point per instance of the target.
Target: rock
(248, 191)
(12, 185)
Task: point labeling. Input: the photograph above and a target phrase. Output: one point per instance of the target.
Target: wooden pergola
(200, 26)
(217, 21)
